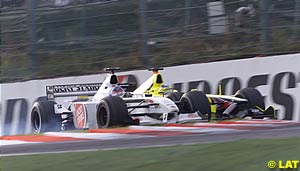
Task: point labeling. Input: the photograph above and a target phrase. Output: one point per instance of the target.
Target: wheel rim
(36, 122)
(103, 117)
(186, 105)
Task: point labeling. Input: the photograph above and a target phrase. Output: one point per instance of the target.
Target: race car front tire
(194, 101)
(112, 111)
(253, 96)
(43, 117)
(255, 99)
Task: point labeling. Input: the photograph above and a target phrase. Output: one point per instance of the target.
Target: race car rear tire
(194, 101)
(253, 96)
(175, 96)
(43, 117)
(112, 111)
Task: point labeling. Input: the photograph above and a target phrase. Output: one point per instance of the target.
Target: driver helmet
(117, 91)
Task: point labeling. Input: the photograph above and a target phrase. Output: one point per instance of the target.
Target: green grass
(250, 155)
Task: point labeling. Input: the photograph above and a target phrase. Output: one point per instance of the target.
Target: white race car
(96, 105)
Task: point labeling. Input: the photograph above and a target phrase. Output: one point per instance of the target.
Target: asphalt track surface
(197, 138)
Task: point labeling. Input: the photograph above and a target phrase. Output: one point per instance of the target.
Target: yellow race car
(247, 102)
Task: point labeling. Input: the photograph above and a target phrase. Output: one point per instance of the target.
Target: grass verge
(246, 155)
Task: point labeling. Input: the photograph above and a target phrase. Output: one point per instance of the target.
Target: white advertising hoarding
(276, 77)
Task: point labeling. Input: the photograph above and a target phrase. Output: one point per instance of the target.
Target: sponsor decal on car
(192, 115)
(80, 116)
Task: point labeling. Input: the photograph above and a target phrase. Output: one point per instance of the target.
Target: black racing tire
(112, 111)
(196, 101)
(175, 96)
(43, 117)
(253, 96)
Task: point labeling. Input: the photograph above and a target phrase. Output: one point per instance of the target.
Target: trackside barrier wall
(276, 77)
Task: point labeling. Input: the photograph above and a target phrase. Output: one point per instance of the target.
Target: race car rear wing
(70, 90)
